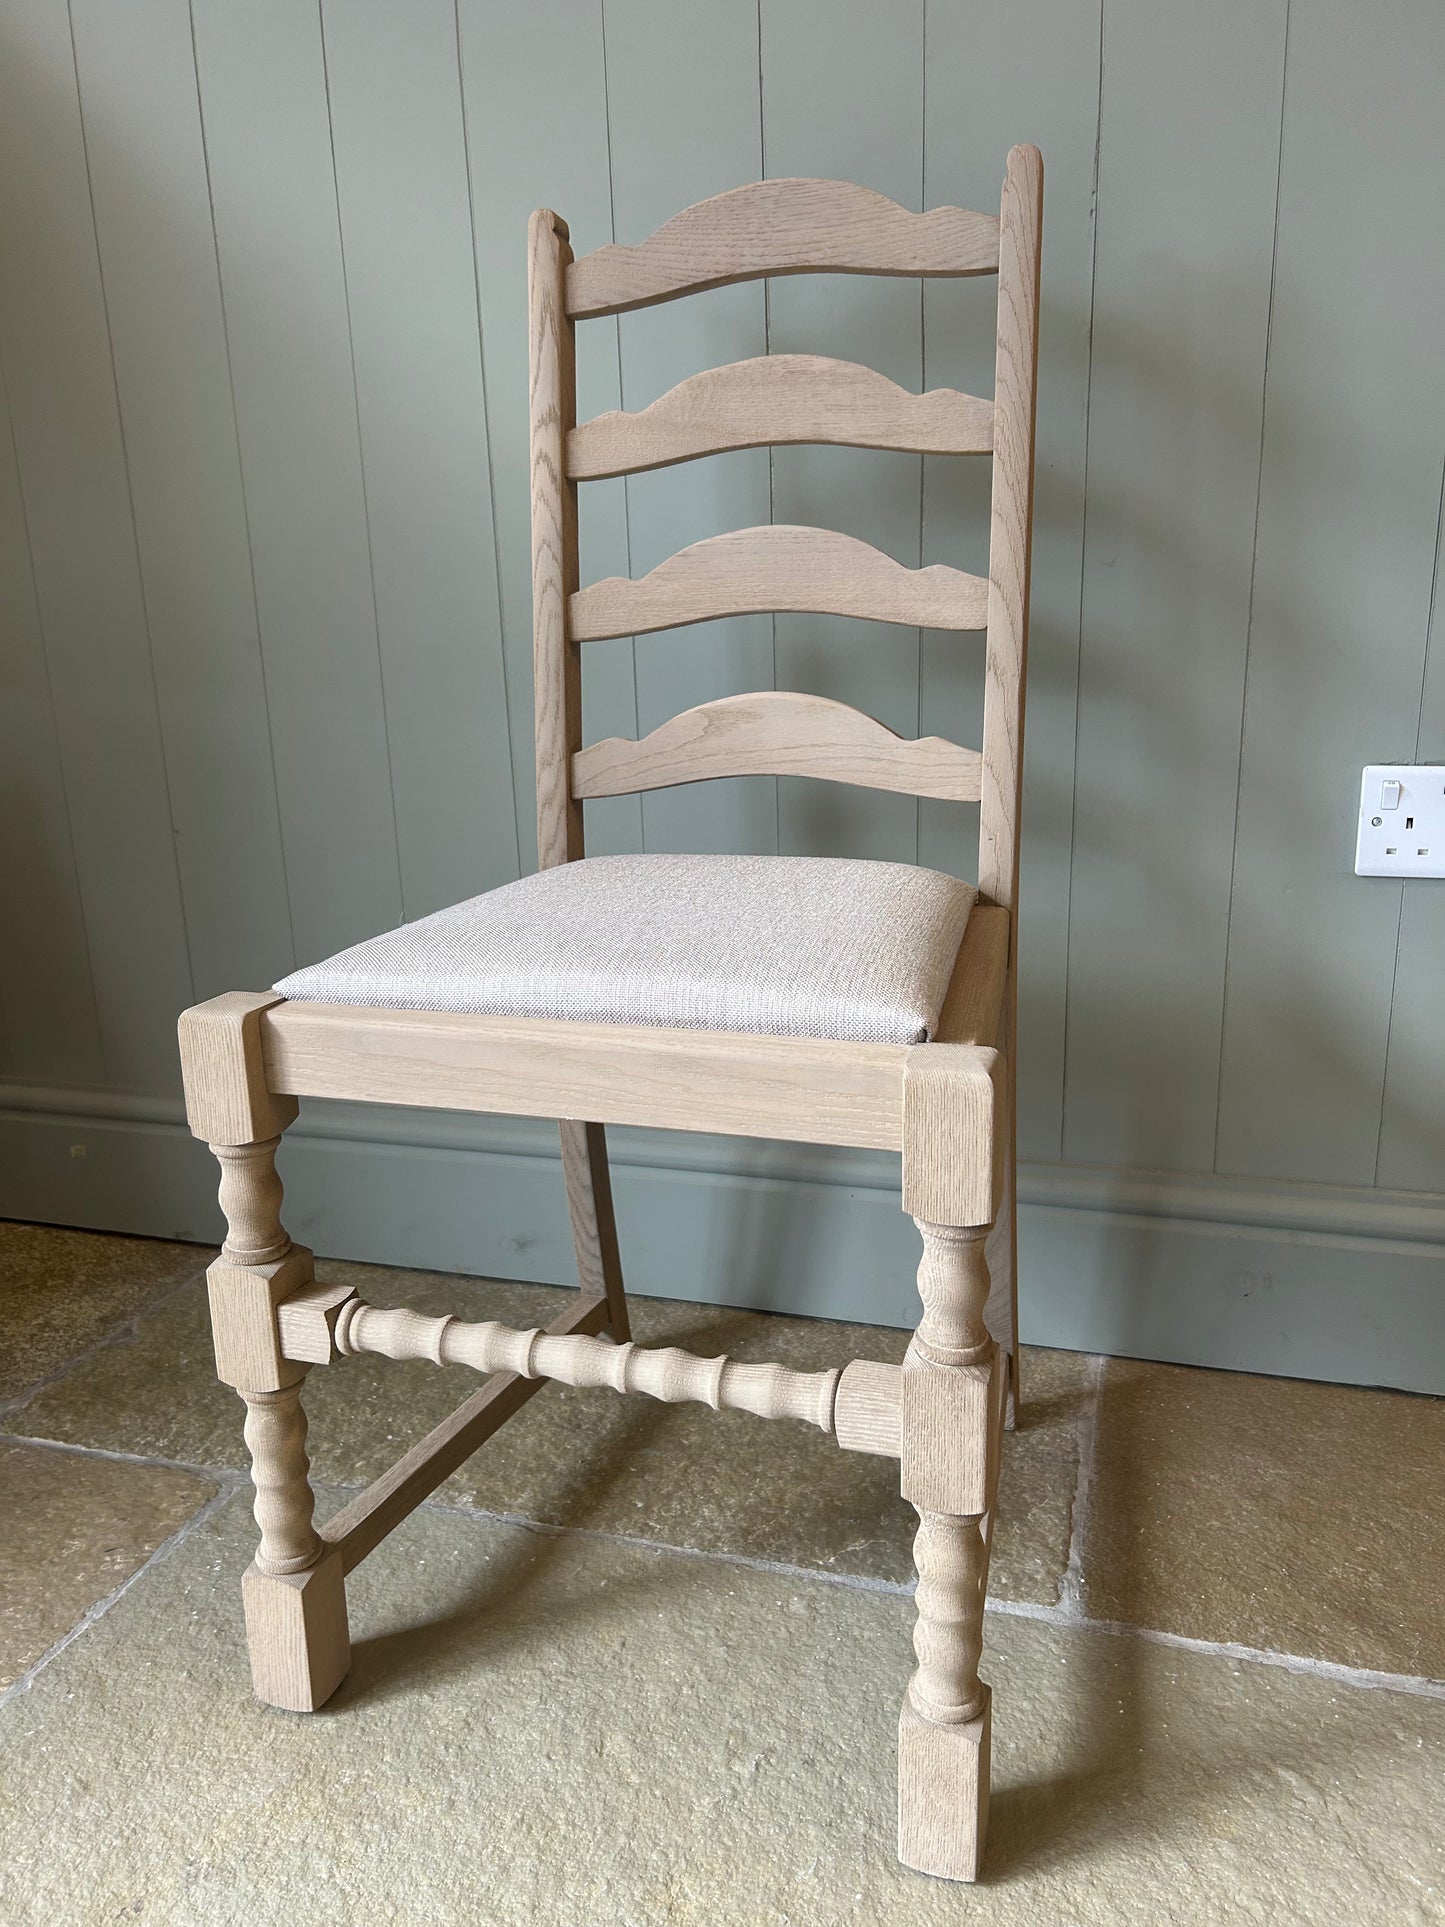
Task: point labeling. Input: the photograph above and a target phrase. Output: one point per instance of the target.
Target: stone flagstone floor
(641, 1664)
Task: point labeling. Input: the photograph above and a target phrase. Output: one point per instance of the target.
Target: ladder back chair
(863, 1004)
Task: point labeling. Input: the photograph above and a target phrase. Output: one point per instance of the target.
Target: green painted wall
(264, 625)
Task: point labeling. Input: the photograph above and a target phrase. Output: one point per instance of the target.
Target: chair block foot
(297, 1634)
(943, 1774)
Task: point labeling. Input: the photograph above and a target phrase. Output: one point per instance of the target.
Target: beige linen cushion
(783, 945)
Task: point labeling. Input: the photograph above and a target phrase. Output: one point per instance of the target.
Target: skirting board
(1313, 1282)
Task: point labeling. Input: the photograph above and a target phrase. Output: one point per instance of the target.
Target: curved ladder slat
(774, 401)
(778, 567)
(778, 733)
(781, 227)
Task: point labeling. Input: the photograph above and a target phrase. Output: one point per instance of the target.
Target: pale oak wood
(868, 1411)
(594, 1223)
(276, 1438)
(557, 675)
(360, 1526)
(947, 1106)
(296, 1634)
(950, 1111)
(948, 1473)
(778, 567)
(558, 696)
(974, 1008)
(227, 1098)
(1010, 548)
(777, 401)
(665, 1373)
(781, 227)
(775, 732)
(245, 1303)
(817, 1090)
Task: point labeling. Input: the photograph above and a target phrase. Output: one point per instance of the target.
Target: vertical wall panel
(77, 501)
(848, 106)
(545, 147)
(996, 76)
(1347, 528)
(158, 257)
(685, 113)
(396, 116)
(263, 99)
(47, 1003)
(1181, 322)
(1412, 1135)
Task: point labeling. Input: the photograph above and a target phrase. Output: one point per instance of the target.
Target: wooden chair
(945, 1103)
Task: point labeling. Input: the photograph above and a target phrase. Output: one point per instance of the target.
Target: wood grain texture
(775, 400)
(665, 1373)
(754, 571)
(594, 1223)
(280, 1471)
(951, 1111)
(363, 1522)
(951, 1434)
(1011, 525)
(555, 668)
(777, 733)
(296, 1634)
(245, 1296)
(943, 1793)
(227, 1097)
(976, 1005)
(816, 1090)
(779, 228)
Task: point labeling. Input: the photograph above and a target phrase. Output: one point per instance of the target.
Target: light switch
(1390, 794)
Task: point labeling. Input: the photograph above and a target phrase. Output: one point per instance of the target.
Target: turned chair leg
(952, 1408)
(294, 1595)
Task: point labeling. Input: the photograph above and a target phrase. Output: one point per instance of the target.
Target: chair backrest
(775, 228)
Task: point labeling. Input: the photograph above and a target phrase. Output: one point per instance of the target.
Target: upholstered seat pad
(785, 946)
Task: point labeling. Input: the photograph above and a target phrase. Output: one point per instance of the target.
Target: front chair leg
(294, 1596)
(953, 1384)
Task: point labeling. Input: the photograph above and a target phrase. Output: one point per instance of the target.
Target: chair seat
(773, 945)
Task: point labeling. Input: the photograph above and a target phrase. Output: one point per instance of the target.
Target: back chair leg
(594, 1227)
(294, 1596)
(952, 1409)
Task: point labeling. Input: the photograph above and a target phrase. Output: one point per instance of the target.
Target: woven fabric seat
(784, 946)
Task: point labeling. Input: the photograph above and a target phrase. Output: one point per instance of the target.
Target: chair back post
(555, 661)
(1010, 530)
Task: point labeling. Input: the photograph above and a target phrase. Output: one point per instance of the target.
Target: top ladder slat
(781, 227)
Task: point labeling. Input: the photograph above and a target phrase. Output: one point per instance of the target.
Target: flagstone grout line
(93, 1614)
(1066, 1616)
(128, 1329)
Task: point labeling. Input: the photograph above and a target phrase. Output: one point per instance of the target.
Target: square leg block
(296, 1634)
(943, 1793)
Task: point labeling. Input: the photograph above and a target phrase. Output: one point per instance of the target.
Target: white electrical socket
(1402, 821)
